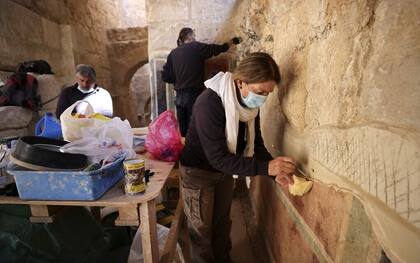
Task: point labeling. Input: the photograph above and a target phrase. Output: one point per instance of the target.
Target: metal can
(134, 177)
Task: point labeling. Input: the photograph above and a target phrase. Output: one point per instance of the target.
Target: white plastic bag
(5, 178)
(72, 126)
(136, 250)
(96, 149)
(105, 141)
(115, 129)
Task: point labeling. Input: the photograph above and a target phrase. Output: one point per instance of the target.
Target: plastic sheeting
(136, 251)
(75, 236)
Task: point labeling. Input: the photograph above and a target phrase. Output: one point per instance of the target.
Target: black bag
(35, 66)
(21, 90)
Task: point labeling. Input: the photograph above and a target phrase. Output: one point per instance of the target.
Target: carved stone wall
(347, 109)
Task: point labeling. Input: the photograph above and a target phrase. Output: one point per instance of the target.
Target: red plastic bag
(164, 139)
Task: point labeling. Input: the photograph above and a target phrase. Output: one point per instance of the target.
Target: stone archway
(127, 52)
(139, 95)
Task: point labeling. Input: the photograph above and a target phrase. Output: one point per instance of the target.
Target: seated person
(85, 89)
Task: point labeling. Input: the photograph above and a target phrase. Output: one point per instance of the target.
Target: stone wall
(90, 21)
(348, 111)
(70, 32)
(133, 13)
(127, 50)
(26, 35)
(165, 19)
(140, 95)
(15, 121)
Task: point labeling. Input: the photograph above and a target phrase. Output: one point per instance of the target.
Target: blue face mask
(253, 100)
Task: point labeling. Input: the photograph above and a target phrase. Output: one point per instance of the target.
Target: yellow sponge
(300, 186)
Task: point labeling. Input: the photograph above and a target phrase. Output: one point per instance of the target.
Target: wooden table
(133, 210)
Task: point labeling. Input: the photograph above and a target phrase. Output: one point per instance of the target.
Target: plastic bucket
(49, 126)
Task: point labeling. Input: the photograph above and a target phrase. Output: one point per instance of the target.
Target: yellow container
(134, 177)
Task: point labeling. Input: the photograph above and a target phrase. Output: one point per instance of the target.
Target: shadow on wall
(289, 74)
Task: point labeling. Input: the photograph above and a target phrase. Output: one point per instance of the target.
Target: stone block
(139, 97)
(53, 10)
(3, 46)
(27, 25)
(133, 14)
(390, 90)
(5, 16)
(127, 34)
(14, 117)
(212, 11)
(161, 10)
(48, 88)
(3, 76)
(209, 31)
(14, 132)
(51, 34)
(163, 36)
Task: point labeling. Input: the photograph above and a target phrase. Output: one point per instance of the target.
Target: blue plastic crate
(66, 185)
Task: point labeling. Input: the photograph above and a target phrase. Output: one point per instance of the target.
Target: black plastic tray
(41, 151)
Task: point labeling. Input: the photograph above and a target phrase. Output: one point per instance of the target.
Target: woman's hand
(283, 168)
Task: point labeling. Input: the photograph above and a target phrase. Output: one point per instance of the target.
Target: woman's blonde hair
(256, 68)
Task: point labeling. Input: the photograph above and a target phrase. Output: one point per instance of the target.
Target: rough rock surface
(350, 85)
(140, 95)
(48, 40)
(48, 88)
(349, 94)
(67, 33)
(127, 51)
(13, 117)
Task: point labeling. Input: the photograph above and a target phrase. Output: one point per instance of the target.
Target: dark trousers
(184, 117)
(207, 197)
(184, 101)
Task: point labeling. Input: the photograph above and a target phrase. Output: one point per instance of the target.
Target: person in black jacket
(85, 89)
(185, 69)
(224, 139)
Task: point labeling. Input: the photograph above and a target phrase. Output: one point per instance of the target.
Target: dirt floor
(247, 243)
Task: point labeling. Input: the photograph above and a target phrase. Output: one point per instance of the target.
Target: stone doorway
(139, 95)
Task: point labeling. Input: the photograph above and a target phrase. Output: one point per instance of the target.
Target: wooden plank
(172, 239)
(140, 131)
(127, 216)
(115, 197)
(185, 242)
(148, 231)
(39, 210)
(41, 219)
(40, 214)
(43, 213)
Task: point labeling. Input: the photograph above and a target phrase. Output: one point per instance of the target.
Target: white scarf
(224, 85)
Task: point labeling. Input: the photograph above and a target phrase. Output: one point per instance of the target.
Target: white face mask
(91, 88)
